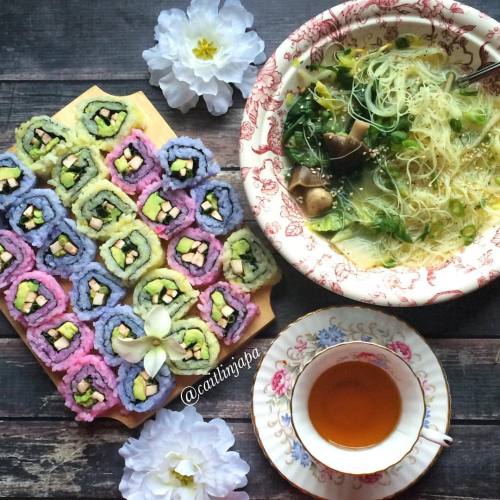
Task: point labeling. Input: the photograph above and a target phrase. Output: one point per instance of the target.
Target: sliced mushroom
(317, 201)
(303, 178)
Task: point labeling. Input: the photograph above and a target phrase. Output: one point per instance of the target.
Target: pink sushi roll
(89, 388)
(134, 164)
(16, 257)
(34, 298)
(197, 254)
(61, 341)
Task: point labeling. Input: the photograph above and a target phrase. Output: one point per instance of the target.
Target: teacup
(397, 444)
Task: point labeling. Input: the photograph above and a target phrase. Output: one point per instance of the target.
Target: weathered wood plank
(469, 364)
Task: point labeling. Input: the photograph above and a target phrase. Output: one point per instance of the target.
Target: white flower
(178, 456)
(200, 53)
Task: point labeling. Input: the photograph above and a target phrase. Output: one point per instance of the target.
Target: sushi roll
(89, 388)
(166, 212)
(201, 345)
(116, 322)
(34, 298)
(197, 254)
(35, 214)
(227, 310)
(131, 251)
(186, 162)
(60, 341)
(38, 142)
(167, 288)
(100, 207)
(218, 208)
(133, 164)
(75, 168)
(15, 179)
(139, 392)
(65, 250)
(247, 262)
(94, 290)
(107, 121)
(16, 257)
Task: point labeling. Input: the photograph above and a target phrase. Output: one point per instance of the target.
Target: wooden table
(51, 51)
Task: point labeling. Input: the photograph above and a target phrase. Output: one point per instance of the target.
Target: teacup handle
(436, 437)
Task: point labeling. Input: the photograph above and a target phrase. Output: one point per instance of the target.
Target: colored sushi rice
(167, 212)
(227, 310)
(139, 392)
(60, 341)
(16, 257)
(35, 214)
(186, 162)
(218, 208)
(89, 388)
(65, 250)
(116, 322)
(34, 298)
(133, 164)
(94, 289)
(247, 262)
(132, 251)
(197, 254)
(15, 179)
(167, 288)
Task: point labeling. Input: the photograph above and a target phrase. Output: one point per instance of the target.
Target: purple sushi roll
(167, 212)
(35, 214)
(139, 392)
(94, 289)
(16, 257)
(133, 164)
(60, 341)
(218, 208)
(15, 179)
(197, 254)
(34, 298)
(116, 322)
(89, 388)
(227, 310)
(65, 250)
(186, 162)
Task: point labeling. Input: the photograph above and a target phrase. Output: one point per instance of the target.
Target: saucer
(277, 372)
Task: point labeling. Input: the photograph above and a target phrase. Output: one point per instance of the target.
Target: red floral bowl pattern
(471, 39)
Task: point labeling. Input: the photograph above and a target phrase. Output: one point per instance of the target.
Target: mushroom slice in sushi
(35, 297)
(74, 169)
(107, 121)
(60, 341)
(227, 310)
(133, 163)
(195, 253)
(38, 141)
(139, 392)
(201, 345)
(16, 257)
(65, 250)
(247, 262)
(15, 179)
(164, 287)
(186, 162)
(131, 251)
(218, 208)
(166, 211)
(100, 207)
(89, 388)
(35, 214)
(94, 289)
(116, 322)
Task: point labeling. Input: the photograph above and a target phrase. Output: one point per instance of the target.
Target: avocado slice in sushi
(104, 119)
(87, 395)
(10, 178)
(144, 387)
(6, 259)
(24, 292)
(31, 218)
(160, 210)
(60, 338)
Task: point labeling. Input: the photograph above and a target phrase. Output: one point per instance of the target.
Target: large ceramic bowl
(471, 39)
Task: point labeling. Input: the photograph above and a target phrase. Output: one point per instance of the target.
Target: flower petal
(178, 94)
(234, 14)
(153, 361)
(246, 84)
(131, 350)
(173, 349)
(158, 322)
(219, 103)
(171, 19)
(207, 9)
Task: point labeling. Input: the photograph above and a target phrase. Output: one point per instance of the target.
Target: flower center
(185, 480)
(205, 49)
(156, 342)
